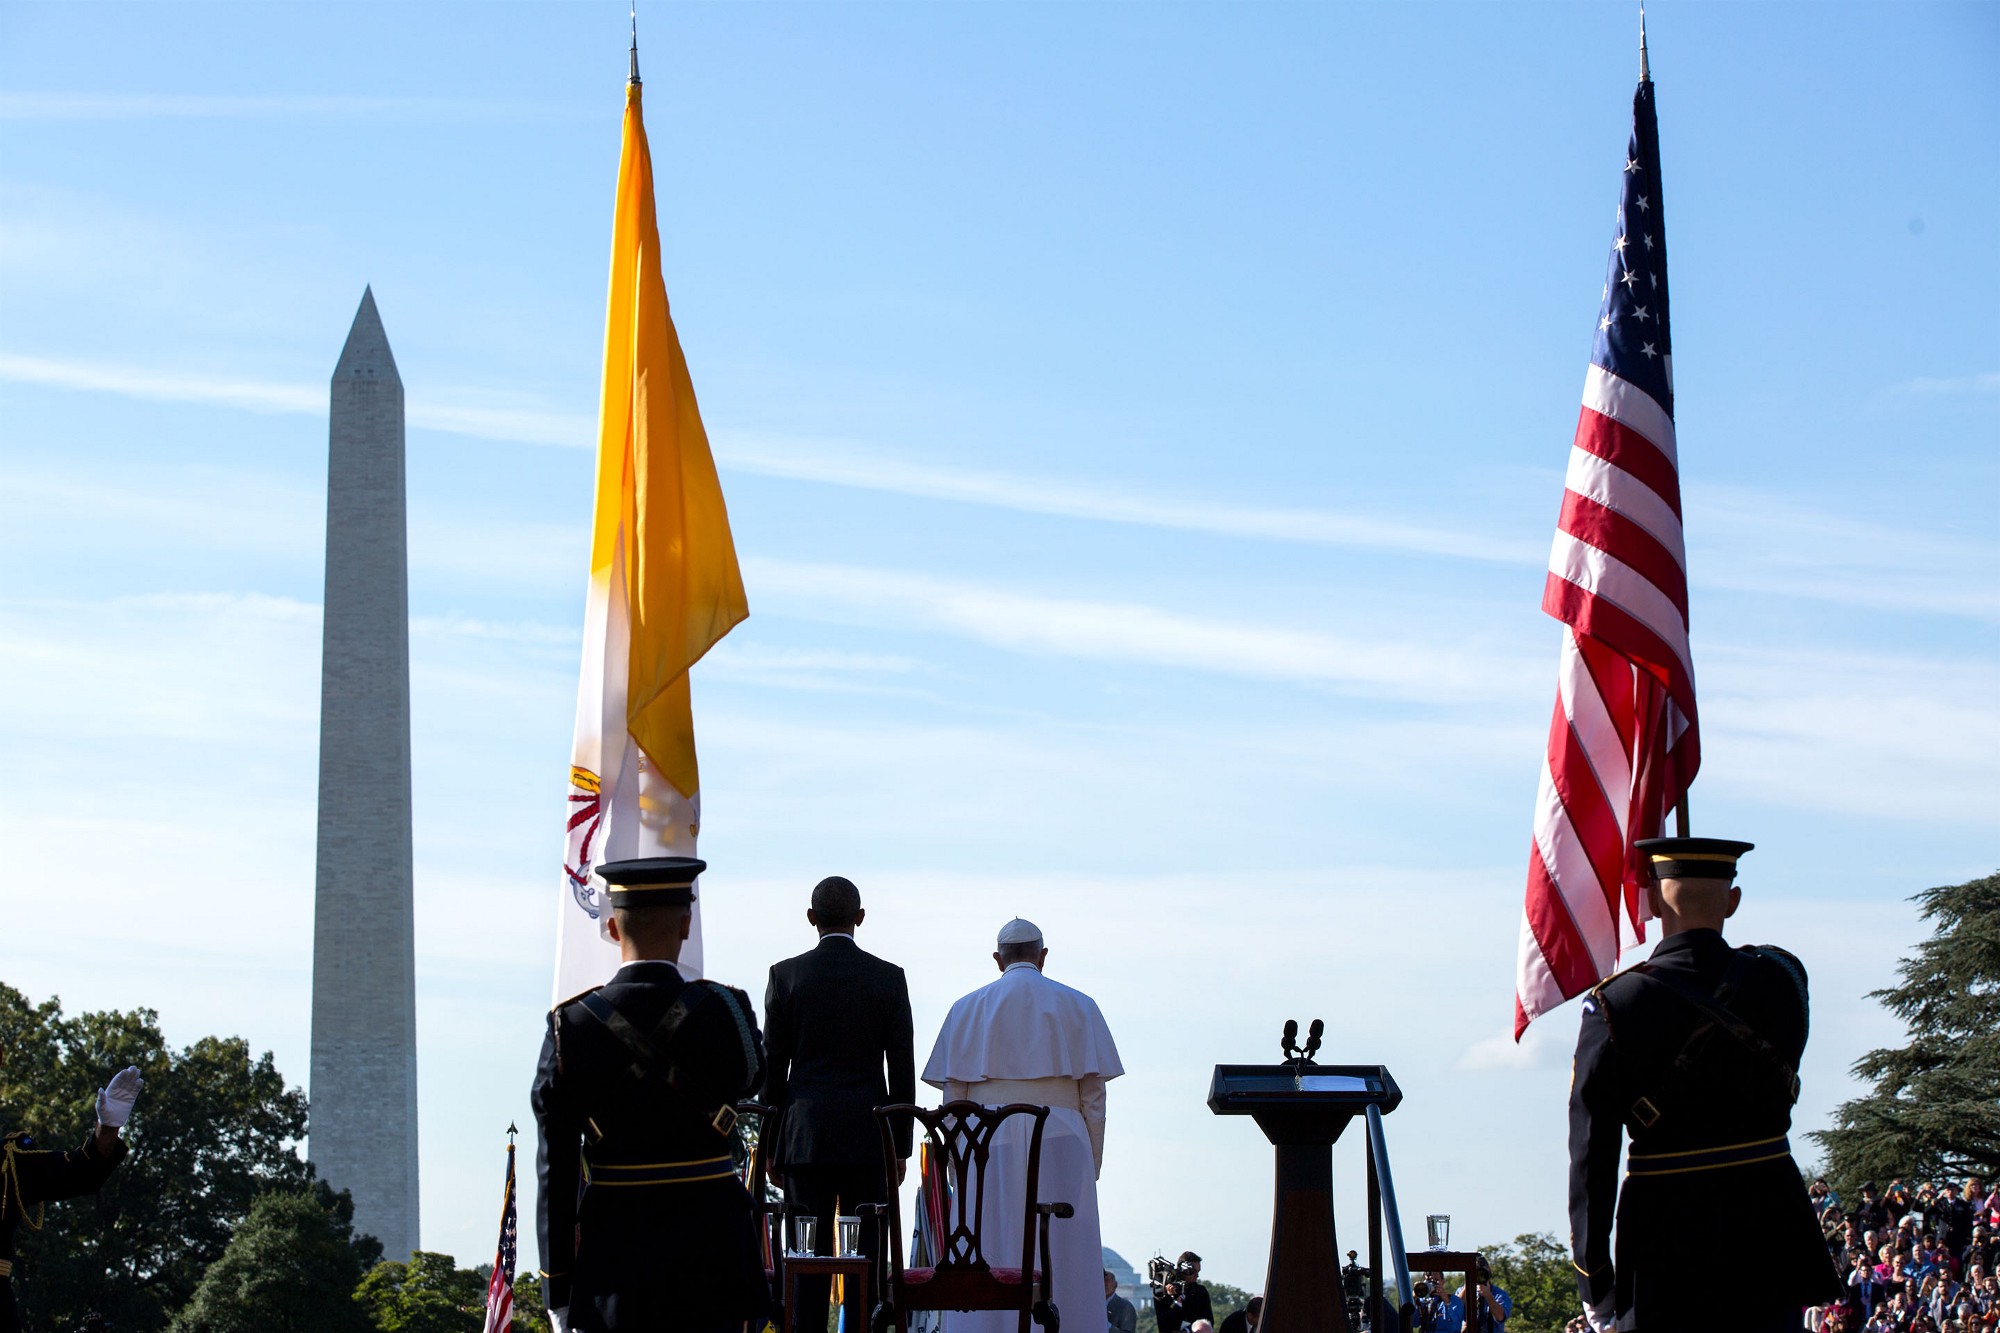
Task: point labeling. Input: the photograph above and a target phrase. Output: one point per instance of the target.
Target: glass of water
(805, 1234)
(1438, 1225)
(847, 1232)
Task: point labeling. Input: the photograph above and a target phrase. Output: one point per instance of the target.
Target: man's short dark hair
(836, 902)
(1255, 1305)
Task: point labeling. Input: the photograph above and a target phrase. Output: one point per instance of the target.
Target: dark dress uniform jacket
(31, 1176)
(837, 1021)
(1708, 1115)
(621, 1249)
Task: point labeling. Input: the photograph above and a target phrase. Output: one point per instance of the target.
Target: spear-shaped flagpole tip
(511, 1131)
(1645, 69)
(635, 41)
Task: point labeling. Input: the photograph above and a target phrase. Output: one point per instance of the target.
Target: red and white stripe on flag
(1623, 743)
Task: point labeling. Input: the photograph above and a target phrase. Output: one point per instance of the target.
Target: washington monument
(364, 1020)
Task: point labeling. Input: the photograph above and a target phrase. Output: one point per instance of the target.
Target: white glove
(114, 1103)
(1603, 1318)
(559, 1320)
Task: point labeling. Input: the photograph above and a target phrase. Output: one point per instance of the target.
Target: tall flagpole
(1681, 820)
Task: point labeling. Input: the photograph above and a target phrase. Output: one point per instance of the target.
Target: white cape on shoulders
(1023, 1026)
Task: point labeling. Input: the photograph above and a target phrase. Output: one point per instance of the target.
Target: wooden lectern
(1302, 1108)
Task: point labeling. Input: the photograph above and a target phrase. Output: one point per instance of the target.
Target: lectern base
(1302, 1287)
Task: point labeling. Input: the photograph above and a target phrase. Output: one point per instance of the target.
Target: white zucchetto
(1020, 931)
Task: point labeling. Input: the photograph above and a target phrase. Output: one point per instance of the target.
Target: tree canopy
(288, 1269)
(1535, 1271)
(1934, 1110)
(213, 1130)
(429, 1294)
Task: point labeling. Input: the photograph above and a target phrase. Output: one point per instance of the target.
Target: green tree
(213, 1130)
(291, 1267)
(1935, 1107)
(531, 1315)
(429, 1294)
(1536, 1272)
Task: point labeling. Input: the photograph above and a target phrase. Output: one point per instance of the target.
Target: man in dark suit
(1695, 1051)
(837, 1023)
(635, 1091)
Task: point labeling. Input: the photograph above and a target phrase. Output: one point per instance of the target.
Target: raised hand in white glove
(114, 1103)
(1603, 1318)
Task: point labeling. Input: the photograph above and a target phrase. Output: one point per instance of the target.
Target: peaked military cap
(1692, 858)
(665, 880)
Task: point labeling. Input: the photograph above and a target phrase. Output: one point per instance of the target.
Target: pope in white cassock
(1025, 1038)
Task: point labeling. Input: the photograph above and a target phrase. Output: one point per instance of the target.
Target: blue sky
(1143, 427)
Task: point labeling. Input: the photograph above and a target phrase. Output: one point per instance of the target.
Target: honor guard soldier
(1695, 1053)
(643, 1222)
(32, 1176)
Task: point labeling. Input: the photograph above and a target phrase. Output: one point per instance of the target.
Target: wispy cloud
(1768, 544)
(1936, 386)
(87, 106)
(842, 465)
(1138, 634)
(1874, 735)
(517, 631)
(1750, 540)
(162, 386)
(1537, 1049)
(814, 461)
(207, 669)
(426, 412)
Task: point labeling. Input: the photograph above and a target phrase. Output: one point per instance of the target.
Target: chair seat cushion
(917, 1277)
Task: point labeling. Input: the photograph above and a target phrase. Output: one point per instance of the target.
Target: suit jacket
(643, 1256)
(837, 1025)
(1708, 1116)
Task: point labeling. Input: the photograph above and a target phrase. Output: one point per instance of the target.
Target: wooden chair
(961, 1277)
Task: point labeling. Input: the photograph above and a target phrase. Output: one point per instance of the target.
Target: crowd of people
(1913, 1258)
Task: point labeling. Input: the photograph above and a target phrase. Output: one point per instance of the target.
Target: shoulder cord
(1646, 1112)
(752, 1059)
(11, 1198)
(1773, 954)
(648, 1056)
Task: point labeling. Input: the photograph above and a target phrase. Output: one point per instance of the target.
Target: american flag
(500, 1287)
(1623, 745)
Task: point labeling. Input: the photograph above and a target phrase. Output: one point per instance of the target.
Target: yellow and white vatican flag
(664, 589)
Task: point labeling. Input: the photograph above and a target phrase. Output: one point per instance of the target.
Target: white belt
(1057, 1092)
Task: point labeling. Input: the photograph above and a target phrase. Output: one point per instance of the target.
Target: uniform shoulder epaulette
(1789, 964)
(1623, 971)
(561, 1005)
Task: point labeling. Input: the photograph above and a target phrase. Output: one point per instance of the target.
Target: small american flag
(500, 1288)
(1623, 745)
